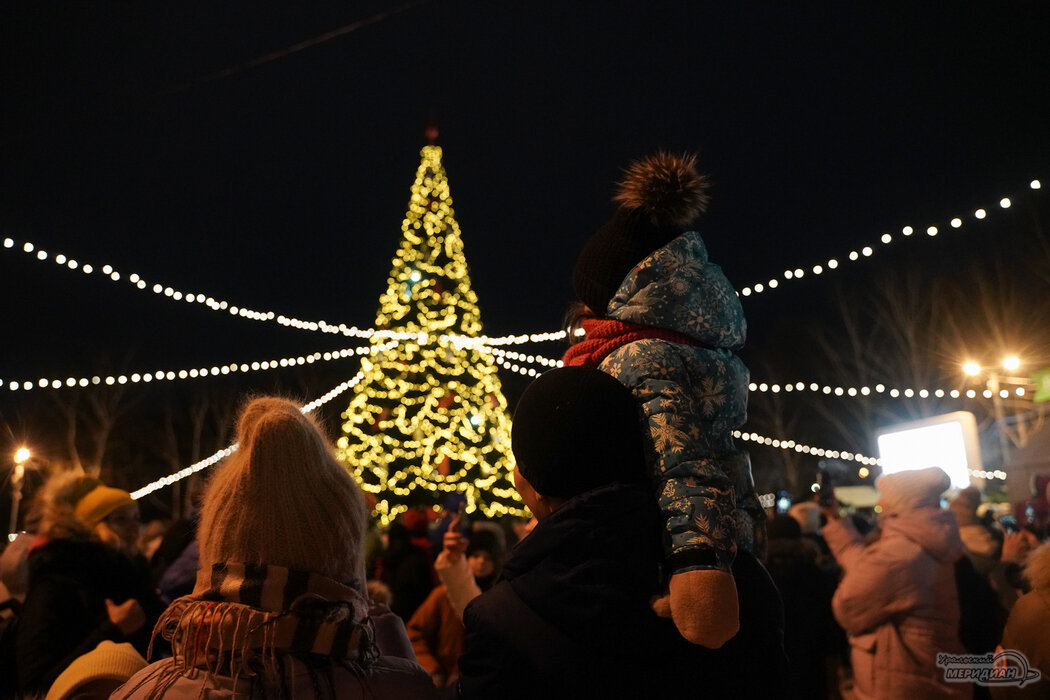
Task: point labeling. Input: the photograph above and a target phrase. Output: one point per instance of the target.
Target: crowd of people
(649, 568)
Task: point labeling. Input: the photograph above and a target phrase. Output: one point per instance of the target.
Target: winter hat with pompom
(283, 499)
(659, 199)
(914, 488)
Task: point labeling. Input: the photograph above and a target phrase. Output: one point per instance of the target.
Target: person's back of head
(911, 489)
(575, 429)
(283, 500)
(74, 504)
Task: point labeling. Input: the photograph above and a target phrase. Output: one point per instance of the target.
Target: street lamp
(993, 383)
(22, 456)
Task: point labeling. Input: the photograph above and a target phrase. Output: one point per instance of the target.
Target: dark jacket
(571, 615)
(65, 610)
(406, 569)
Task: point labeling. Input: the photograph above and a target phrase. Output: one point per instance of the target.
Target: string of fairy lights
(843, 455)
(197, 373)
(229, 450)
(220, 305)
(511, 360)
(833, 263)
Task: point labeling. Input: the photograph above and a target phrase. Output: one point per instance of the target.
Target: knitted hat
(282, 499)
(660, 198)
(108, 661)
(98, 502)
(577, 428)
(910, 489)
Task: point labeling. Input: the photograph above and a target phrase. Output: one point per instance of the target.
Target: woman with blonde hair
(280, 607)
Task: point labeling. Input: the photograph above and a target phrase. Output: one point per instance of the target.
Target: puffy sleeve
(872, 590)
(691, 399)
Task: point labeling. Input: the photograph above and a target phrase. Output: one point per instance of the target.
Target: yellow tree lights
(429, 418)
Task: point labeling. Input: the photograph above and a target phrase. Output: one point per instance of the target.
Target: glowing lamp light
(22, 455)
(1005, 202)
(1035, 184)
(971, 368)
(863, 472)
(1011, 363)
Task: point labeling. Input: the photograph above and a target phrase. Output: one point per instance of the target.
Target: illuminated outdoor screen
(948, 441)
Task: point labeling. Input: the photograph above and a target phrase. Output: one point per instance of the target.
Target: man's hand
(455, 544)
(830, 510)
(1016, 546)
(128, 616)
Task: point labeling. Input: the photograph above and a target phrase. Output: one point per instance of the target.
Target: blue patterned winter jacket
(693, 397)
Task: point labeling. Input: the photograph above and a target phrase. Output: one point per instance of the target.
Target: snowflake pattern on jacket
(693, 397)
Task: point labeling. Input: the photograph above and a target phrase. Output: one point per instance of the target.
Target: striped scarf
(253, 614)
(605, 335)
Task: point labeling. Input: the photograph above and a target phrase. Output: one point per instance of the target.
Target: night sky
(134, 134)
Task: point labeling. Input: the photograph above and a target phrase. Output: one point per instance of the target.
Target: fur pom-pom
(666, 188)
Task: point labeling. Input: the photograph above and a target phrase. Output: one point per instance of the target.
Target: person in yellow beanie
(97, 673)
(84, 588)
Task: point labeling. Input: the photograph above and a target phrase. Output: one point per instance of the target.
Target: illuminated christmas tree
(429, 418)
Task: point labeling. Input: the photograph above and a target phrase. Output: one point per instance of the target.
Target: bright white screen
(941, 445)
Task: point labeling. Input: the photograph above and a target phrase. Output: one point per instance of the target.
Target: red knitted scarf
(606, 335)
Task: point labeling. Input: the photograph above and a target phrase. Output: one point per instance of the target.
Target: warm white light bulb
(1012, 362)
(972, 368)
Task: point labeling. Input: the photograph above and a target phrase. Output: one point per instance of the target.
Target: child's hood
(679, 289)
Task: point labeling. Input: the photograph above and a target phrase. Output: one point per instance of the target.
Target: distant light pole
(994, 381)
(22, 456)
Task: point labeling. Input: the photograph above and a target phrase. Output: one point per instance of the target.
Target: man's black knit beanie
(575, 429)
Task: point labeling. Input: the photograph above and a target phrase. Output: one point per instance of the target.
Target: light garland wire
(838, 454)
(174, 294)
(893, 392)
(227, 451)
(171, 375)
(869, 250)
(806, 449)
(509, 360)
